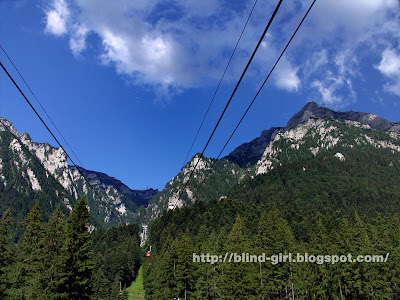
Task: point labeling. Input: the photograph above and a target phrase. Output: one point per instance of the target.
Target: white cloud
(390, 63)
(182, 44)
(314, 63)
(327, 93)
(286, 77)
(351, 34)
(116, 50)
(335, 92)
(57, 17)
(390, 68)
(77, 41)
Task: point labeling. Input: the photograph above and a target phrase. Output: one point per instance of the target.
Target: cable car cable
(219, 84)
(233, 93)
(258, 92)
(35, 158)
(23, 79)
(44, 123)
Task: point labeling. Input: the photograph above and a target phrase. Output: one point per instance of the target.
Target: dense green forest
(61, 259)
(319, 205)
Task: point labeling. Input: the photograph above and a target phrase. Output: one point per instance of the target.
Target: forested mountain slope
(308, 132)
(23, 182)
(323, 204)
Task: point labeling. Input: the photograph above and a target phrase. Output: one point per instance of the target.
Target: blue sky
(128, 82)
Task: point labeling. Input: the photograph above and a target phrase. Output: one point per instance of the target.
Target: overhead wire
(258, 92)
(52, 134)
(27, 85)
(220, 81)
(65, 191)
(233, 93)
(35, 158)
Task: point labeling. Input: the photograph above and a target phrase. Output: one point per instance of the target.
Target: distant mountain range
(23, 182)
(249, 153)
(312, 130)
(103, 181)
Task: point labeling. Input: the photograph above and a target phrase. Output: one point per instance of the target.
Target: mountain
(102, 181)
(331, 203)
(248, 154)
(218, 180)
(312, 110)
(312, 130)
(327, 184)
(23, 182)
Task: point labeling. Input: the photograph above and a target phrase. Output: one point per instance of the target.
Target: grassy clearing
(136, 290)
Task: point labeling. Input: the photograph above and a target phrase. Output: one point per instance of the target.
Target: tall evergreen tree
(164, 268)
(204, 271)
(25, 275)
(6, 257)
(238, 282)
(55, 257)
(276, 237)
(185, 268)
(79, 254)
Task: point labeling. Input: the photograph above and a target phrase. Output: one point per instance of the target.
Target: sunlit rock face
(113, 201)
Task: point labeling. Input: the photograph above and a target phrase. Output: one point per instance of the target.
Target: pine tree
(25, 275)
(238, 282)
(79, 254)
(6, 254)
(164, 270)
(275, 237)
(55, 257)
(204, 281)
(185, 268)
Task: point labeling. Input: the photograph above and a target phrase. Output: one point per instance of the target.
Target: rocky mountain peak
(104, 181)
(10, 126)
(249, 153)
(312, 110)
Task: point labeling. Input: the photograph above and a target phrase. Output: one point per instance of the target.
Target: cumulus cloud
(390, 63)
(286, 77)
(341, 38)
(77, 41)
(57, 18)
(389, 66)
(183, 44)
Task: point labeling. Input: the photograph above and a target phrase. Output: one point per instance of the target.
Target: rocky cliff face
(218, 180)
(20, 172)
(103, 182)
(249, 153)
(312, 130)
(312, 110)
(316, 135)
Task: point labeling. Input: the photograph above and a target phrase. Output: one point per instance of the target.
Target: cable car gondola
(148, 253)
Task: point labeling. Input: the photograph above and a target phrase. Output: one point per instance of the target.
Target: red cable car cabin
(148, 253)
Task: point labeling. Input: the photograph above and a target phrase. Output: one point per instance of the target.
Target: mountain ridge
(302, 136)
(249, 153)
(21, 176)
(310, 131)
(100, 179)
